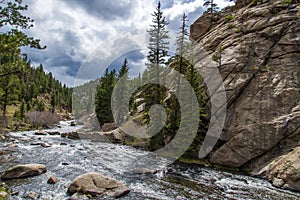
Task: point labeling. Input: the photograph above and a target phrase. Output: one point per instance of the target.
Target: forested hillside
(23, 87)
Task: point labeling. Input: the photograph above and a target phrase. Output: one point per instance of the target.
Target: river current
(66, 159)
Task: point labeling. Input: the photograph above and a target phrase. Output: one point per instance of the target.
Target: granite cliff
(259, 46)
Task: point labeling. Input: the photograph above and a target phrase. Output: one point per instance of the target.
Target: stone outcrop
(23, 171)
(260, 67)
(284, 171)
(96, 184)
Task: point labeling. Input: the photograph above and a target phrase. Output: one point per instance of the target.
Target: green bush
(286, 2)
(229, 18)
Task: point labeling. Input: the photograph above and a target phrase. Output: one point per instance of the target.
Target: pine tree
(211, 7)
(103, 97)
(121, 95)
(158, 47)
(181, 48)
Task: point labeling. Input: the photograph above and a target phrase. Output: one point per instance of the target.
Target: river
(67, 159)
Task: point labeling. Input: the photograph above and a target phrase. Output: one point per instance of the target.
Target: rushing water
(75, 157)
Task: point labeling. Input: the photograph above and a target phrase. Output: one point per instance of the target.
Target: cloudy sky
(82, 34)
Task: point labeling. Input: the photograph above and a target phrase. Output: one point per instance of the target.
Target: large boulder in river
(96, 184)
(284, 171)
(22, 171)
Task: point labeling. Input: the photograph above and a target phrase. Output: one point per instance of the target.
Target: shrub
(229, 18)
(286, 2)
(230, 26)
(44, 119)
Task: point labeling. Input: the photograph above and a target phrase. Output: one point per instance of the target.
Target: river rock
(52, 180)
(114, 136)
(31, 195)
(63, 134)
(284, 171)
(45, 145)
(53, 133)
(73, 136)
(40, 133)
(22, 171)
(96, 184)
(109, 127)
(73, 123)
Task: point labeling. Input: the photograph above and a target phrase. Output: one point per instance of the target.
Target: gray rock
(96, 184)
(22, 171)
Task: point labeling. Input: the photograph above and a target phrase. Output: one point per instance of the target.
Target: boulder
(96, 184)
(52, 180)
(73, 123)
(40, 133)
(22, 171)
(115, 136)
(45, 145)
(63, 134)
(53, 133)
(284, 171)
(73, 136)
(109, 127)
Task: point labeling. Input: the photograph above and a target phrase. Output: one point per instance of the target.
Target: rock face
(23, 171)
(96, 184)
(284, 171)
(260, 67)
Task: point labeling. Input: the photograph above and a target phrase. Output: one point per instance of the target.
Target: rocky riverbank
(259, 46)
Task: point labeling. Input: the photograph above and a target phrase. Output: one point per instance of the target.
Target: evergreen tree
(121, 95)
(103, 97)
(158, 47)
(211, 7)
(11, 40)
(181, 48)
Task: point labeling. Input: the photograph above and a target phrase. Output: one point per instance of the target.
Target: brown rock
(52, 180)
(73, 136)
(22, 171)
(96, 184)
(41, 133)
(109, 127)
(53, 133)
(284, 171)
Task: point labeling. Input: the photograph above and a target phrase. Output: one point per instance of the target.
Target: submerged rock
(22, 171)
(73, 123)
(144, 171)
(96, 184)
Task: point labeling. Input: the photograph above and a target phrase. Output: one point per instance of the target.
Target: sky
(83, 37)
